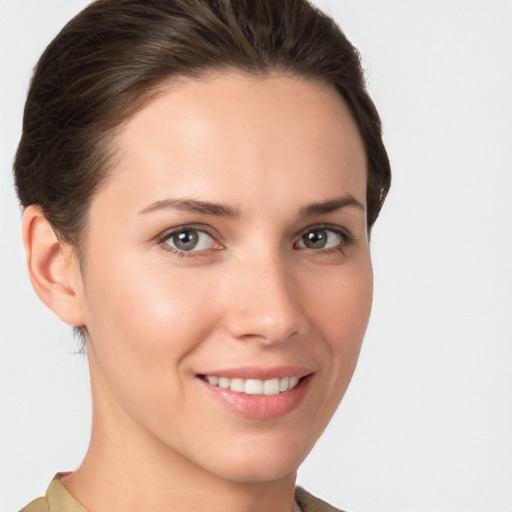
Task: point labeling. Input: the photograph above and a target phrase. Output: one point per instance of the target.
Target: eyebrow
(221, 210)
(192, 205)
(331, 205)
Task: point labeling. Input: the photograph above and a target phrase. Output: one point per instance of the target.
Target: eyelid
(344, 233)
(182, 227)
(201, 228)
(323, 225)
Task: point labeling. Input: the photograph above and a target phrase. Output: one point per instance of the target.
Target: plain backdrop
(427, 421)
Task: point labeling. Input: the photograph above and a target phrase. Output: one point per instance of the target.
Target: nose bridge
(263, 305)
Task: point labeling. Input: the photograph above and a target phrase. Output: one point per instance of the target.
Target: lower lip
(260, 407)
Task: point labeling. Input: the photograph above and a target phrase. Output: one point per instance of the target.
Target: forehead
(233, 131)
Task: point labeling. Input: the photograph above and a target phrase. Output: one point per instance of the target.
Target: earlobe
(53, 268)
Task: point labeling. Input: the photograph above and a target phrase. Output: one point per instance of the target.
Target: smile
(254, 386)
(264, 398)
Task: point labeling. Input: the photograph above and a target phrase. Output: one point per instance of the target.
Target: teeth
(284, 384)
(237, 385)
(224, 383)
(254, 386)
(271, 387)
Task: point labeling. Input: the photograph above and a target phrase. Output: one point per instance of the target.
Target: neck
(126, 468)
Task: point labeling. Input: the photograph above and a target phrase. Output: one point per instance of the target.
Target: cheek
(340, 308)
(142, 319)
(341, 301)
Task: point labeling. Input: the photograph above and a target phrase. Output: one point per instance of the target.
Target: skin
(253, 294)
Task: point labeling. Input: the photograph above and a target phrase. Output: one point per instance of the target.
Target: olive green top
(58, 499)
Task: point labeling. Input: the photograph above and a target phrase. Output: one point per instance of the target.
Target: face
(228, 281)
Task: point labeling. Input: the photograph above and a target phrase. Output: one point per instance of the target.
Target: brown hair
(106, 62)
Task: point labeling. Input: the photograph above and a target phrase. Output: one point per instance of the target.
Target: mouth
(264, 398)
(253, 386)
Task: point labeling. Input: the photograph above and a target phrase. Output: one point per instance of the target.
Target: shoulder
(57, 499)
(38, 505)
(309, 503)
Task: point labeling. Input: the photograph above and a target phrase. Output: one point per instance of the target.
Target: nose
(263, 302)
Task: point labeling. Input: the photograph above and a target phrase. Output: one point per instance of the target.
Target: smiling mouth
(254, 386)
(277, 392)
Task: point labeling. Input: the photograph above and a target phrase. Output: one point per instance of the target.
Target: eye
(324, 238)
(188, 239)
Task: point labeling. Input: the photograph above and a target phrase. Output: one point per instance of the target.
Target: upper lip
(258, 372)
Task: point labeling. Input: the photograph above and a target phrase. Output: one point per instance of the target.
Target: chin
(269, 469)
(259, 461)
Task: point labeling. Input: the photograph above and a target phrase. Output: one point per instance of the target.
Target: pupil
(315, 239)
(186, 240)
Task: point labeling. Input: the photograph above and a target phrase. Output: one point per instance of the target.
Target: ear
(53, 268)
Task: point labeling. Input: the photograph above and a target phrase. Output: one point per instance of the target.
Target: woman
(199, 181)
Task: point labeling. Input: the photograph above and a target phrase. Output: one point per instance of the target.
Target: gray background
(427, 422)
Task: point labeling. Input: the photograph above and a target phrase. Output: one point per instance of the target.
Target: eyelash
(166, 235)
(346, 240)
